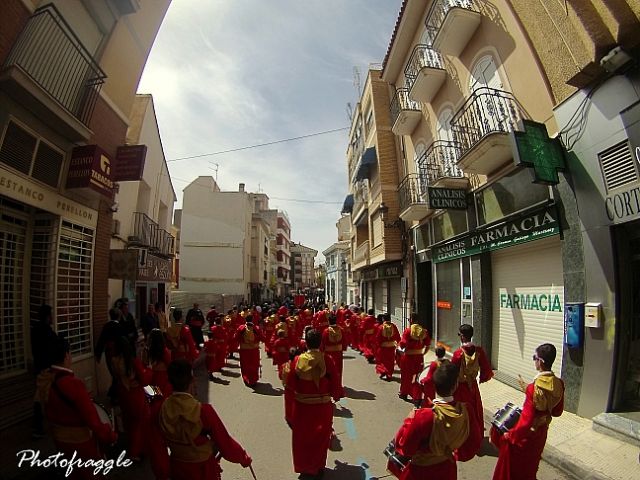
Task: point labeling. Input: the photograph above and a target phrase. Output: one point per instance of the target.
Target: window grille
(618, 167)
(73, 312)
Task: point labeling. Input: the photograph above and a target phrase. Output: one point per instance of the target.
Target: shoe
(403, 397)
(211, 377)
(388, 378)
(382, 376)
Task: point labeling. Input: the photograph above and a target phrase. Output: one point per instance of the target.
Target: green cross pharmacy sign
(533, 148)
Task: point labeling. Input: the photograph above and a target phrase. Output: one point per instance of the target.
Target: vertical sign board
(129, 164)
(90, 167)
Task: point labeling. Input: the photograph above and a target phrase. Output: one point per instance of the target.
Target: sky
(228, 74)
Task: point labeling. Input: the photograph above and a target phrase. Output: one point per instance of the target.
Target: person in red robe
(387, 338)
(334, 342)
(414, 340)
(367, 335)
(428, 387)
(311, 384)
(249, 337)
(179, 339)
(294, 332)
(520, 449)
(194, 432)
(159, 360)
(131, 378)
(269, 330)
(72, 416)
(353, 324)
(216, 348)
(472, 360)
(435, 438)
(321, 320)
(280, 351)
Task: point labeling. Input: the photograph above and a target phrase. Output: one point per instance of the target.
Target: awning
(347, 207)
(368, 160)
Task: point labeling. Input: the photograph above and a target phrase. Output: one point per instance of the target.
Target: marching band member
(159, 359)
(428, 387)
(334, 342)
(414, 340)
(249, 337)
(180, 340)
(387, 338)
(367, 335)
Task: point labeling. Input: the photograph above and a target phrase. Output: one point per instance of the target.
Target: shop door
(12, 308)
(528, 306)
(627, 387)
(424, 295)
(379, 297)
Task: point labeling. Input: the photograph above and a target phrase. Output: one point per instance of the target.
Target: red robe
(468, 390)
(387, 337)
(520, 453)
(187, 463)
(181, 343)
(248, 339)
(75, 424)
(216, 349)
(428, 387)
(367, 336)
(412, 361)
(320, 321)
(280, 353)
(269, 330)
(353, 323)
(334, 342)
(133, 403)
(311, 418)
(413, 439)
(159, 376)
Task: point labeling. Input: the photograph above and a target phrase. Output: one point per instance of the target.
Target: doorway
(424, 295)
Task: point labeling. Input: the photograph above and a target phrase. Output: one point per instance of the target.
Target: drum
(399, 354)
(103, 414)
(396, 462)
(151, 392)
(506, 417)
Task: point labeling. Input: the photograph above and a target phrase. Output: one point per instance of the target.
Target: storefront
(382, 286)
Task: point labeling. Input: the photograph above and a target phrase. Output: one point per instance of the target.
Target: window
(485, 74)
(449, 224)
(30, 155)
(376, 229)
(73, 309)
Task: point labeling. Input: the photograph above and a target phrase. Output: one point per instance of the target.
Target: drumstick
(252, 472)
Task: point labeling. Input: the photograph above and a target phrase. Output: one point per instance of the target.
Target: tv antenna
(349, 111)
(356, 79)
(217, 166)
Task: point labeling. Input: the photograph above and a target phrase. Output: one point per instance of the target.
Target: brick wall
(13, 19)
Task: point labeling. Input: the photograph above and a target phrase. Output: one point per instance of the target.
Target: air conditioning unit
(115, 227)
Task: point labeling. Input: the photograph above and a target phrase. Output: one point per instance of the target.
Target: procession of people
(161, 418)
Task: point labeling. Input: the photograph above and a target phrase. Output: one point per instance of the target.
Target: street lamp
(384, 210)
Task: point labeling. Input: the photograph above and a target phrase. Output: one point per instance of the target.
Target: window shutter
(618, 167)
(47, 165)
(17, 148)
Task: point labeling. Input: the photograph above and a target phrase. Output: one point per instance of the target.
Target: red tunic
(367, 335)
(249, 341)
(213, 430)
(75, 424)
(468, 390)
(320, 321)
(387, 337)
(159, 376)
(269, 330)
(412, 362)
(520, 453)
(311, 417)
(334, 342)
(216, 349)
(181, 343)
(280, 353)
(428, 387)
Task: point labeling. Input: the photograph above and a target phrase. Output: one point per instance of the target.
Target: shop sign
(25, 191)
(623, 206)
(155, 269)
(390, 270)
(90, 167)
(444, 305)
(129, 164)
(541, 302)
(534, 149)
(449, 198)
(370, 274)
(532, 226)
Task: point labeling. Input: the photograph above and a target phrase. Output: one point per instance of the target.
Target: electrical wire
(222, 152)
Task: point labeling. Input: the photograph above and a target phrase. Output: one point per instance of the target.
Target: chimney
(241, 187)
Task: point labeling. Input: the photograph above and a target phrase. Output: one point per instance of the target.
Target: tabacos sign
(532, 226)
(90, 167)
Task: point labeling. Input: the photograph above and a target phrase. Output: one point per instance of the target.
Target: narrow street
(364, 422)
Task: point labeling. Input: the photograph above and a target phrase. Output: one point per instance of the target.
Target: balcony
(361, 199)
(50, 72)
(450, 25)
(439, 163)
(361, 255)
(412, 193)
(405, 113)
(425, 72)
(146, 233)
(482, 126)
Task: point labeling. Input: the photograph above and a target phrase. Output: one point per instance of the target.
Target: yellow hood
(451, 428)
(547, 392)
(417, 332)
(311, 366)
(180, 418)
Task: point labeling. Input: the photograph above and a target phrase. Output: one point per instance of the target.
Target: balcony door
(485, 74)
(445, 133)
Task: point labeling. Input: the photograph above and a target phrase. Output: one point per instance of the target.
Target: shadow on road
(267, 389)
(348, 357)
(232, 365)
(358, 394)
(345, 471)
(342, 412)
(218, 380)
(487, 449)
(226, 373)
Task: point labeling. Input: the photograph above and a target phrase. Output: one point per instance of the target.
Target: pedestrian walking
(415, 339)
(249, 337)
(387, 339)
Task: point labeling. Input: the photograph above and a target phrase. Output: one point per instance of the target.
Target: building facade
(302, 268)
(377, 232)
(283, 254)
(336, 257)
(66, 93)
(589, 53)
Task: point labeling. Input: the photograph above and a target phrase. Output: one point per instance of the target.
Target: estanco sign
(532, 226)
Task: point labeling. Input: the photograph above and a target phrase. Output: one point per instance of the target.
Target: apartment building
(464, 78)
(283, 254)
(142, 247)
(302, 263)
(377, 232)
(589, 52)
(261, 235)
(66, 93)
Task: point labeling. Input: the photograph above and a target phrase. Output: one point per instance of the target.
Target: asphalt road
(364, 422)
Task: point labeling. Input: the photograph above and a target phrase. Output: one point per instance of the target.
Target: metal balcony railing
(361, 253)
(486, 111)
(52, 55)
(438, 12)
(147, 233)
(411, 190)
(440, 160)
(423, 56)
(401, 102)
(360, 196)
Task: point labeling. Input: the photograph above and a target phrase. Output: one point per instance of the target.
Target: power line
(259, 145)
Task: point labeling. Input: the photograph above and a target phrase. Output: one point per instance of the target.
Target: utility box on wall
(593, 315)
(574, 324)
